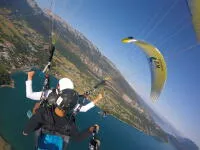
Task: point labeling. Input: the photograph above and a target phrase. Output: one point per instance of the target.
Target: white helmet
(66, 83)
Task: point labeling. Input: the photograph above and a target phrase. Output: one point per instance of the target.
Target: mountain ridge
(77, 48)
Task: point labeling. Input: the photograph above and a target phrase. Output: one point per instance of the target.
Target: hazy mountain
(28, 48)
(183, 143)
(174, 136)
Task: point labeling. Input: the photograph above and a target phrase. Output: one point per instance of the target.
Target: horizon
(152, 25)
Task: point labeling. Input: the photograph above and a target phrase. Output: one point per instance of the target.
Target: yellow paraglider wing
(194, 6)
(157, 66)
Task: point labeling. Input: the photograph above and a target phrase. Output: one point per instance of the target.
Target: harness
(50, 129)
(49, 104)
(53, 98)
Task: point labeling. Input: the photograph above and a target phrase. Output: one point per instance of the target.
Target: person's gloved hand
(31, 75)
(94, 128)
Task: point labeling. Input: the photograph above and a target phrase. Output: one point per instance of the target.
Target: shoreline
(12, 71)
(11, 85)
(4, 145)
(140, 130)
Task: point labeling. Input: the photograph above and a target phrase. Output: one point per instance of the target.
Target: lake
(114, 134)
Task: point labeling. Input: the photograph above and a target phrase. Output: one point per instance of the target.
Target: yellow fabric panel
(159, 69)
(195, 6)
(157, 66)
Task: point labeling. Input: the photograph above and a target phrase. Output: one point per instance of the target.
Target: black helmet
(67, 99)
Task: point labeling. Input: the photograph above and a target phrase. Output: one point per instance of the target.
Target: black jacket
(45, 118)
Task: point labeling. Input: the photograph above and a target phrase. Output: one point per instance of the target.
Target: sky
(167, 25)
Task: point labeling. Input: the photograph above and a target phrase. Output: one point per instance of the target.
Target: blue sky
(167, 25)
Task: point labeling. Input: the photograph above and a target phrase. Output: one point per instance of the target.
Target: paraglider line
(160, 21)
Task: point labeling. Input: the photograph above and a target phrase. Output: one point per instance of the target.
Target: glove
(94, 128)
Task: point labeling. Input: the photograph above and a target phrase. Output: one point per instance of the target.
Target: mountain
(26, 31)
(174, 136)
(182, 143)
(25, 42)
(71, 42)
(161, 121)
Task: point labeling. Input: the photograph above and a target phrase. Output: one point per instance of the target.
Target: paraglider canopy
(157, 65)
(194, 7)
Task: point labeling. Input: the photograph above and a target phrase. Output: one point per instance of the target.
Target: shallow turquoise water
(114, 135)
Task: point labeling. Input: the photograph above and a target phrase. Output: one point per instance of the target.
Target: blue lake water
(114, 134)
